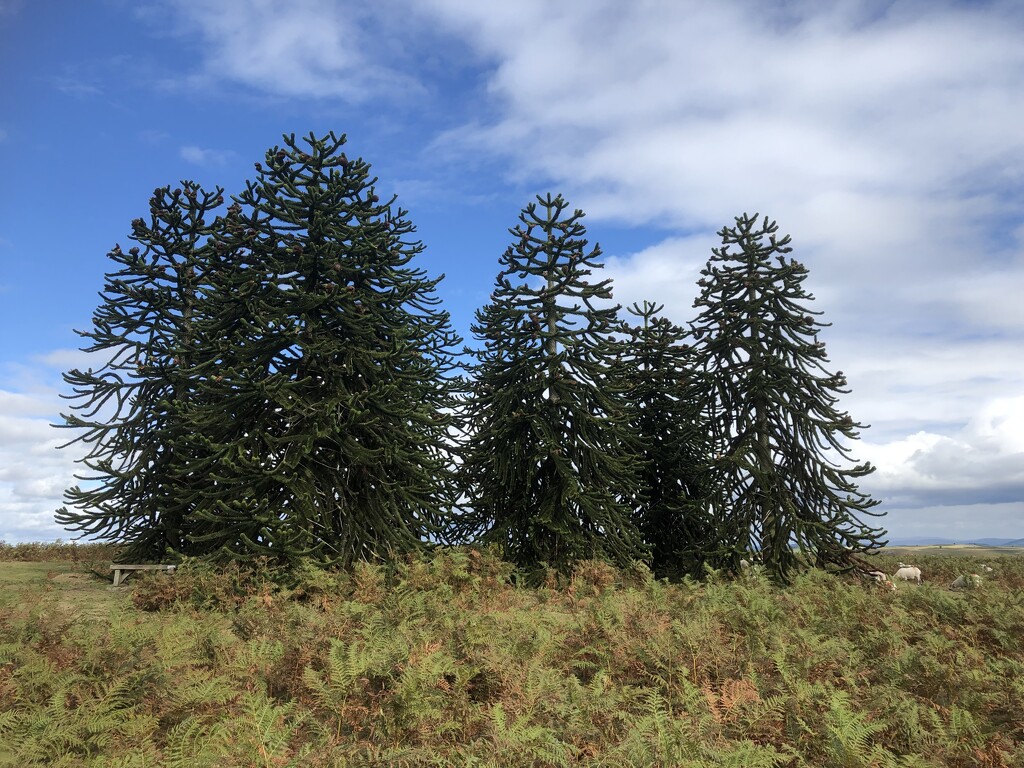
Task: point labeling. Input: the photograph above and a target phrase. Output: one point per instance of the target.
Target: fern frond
(269, 728)
(849, 733)
(196, 743)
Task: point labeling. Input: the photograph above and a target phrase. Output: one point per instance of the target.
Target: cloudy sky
(885, 137)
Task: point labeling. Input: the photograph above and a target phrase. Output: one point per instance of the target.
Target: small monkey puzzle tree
(666, 419)
(131, 411)
(549, 469)
(778, 480)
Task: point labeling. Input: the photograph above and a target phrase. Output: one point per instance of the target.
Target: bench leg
(117, 577)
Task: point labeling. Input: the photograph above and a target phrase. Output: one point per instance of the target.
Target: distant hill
(934, 541)
(921, 541)
(999, 542)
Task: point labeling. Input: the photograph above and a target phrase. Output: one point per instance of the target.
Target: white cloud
(205, 157)
(33, 473)
(884, 139)
(34, 470)
(648, 127)
(66, 359)
(713, 91)
(304, 48)
(883, 136)
(74, 85)
(663, 273)
(983, 462)
(894, 164)
(999, 425)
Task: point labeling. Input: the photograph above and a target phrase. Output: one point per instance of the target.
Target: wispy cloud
(665, 273)
(885, 139)
(307, 48)
(66, 359)
(206, 157)
(883, 136)
(75, 86)
(154, 136)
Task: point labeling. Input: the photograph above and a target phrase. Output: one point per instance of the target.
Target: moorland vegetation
(446, 659)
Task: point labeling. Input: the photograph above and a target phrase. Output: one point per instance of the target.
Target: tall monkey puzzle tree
(326, 433)
(131, 410)
(778, 478)
(549, 470)
(277, 377)
(666, 418)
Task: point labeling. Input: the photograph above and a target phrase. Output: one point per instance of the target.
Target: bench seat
(123, 570)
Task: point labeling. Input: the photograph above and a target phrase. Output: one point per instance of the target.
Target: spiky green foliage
(277, 382)
(326, 428)
(779, 477)
(549, 469)
(130, 410)
(665, 417)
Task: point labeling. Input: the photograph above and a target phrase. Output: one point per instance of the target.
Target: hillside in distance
(933, 541)
(999, 542)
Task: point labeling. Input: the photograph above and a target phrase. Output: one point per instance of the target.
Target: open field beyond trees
(443, 660)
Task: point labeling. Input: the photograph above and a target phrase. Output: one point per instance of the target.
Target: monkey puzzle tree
(131, 410)
(326, 428)
(548, 470)
(666, 419)
(277, 377)
(778, 480)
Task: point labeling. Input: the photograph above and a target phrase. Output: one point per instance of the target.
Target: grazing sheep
(966, 582)
(908, 573)
(881, 579)
(986, 568)
(751, 567)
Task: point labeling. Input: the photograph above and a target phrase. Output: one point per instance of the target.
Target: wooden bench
(122, 571)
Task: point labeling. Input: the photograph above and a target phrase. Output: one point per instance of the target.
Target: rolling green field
(444, 661)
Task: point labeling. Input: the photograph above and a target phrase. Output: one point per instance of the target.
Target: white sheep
(986, 568)
(882, 579)
(908, 573)
(746, 566)
(966, 582)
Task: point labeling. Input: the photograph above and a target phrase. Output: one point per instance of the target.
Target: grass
(67, 586)
(444, 661)
(955, 550)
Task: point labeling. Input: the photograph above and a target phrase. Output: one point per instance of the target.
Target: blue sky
(885, 137)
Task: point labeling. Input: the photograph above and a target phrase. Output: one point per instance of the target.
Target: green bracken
(440, 659)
